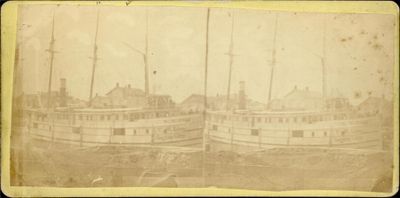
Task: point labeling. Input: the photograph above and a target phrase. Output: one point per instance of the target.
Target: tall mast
(231, 55)
(206, 59)
(273, 60)
(95, 58)
(323, 59)
(205, 92)
(51, 51)
(146, 67)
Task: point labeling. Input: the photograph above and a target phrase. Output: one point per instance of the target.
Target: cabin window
(223, 117)
(312, 134)
(125, 117)
(254, 132)
(258, 119)
(119, 131)
(245, 119)
(147, 131)
(280, 120)
(295, 119)
(304, 119)
(336, 117)
(108, 117)
(116, 117)
(215, 127)
(325, 133)
(80, 117)
(165, 130)
(76, 130)
(297, 133)
(287, 120)
(35, 125)
(343, 133)
(102, 117)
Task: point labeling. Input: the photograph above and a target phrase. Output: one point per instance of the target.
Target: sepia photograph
(203, 97)
(300, 101)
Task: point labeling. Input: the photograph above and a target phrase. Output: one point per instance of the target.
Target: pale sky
(359, 50)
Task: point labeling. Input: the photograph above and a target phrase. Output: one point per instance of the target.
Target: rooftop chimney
(129, 85)
(117, 85)
(242, 95)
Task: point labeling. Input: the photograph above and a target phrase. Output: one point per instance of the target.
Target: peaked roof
(127, 91)
(375, 101)
(197, 98)
(302, 94)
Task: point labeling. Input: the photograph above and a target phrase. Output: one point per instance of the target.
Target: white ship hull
(351, 133)
(174, 130)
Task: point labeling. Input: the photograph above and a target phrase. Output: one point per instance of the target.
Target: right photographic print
(299, 101)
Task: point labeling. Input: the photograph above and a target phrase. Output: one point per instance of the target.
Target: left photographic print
(105, 96)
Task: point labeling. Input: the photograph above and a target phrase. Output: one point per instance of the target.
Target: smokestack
(242, 95)
(63, 92)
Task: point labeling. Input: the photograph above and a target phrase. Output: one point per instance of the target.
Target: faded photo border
(9, 12)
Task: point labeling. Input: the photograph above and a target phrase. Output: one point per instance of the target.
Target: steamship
(142, 119)
(300, 119)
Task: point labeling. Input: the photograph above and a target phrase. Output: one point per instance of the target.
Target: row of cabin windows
(280, 119)
(107, 117)
(295, 133)
(121, 131)
(300, 133)
(115, 131)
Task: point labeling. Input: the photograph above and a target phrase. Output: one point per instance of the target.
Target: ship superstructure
(142, 119)
(300, 119)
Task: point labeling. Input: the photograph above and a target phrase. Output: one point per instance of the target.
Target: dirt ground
(40, 163)
(53, 164)
(300, 169)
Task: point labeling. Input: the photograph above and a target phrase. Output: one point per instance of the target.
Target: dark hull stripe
(189, 141)
(219, 139)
